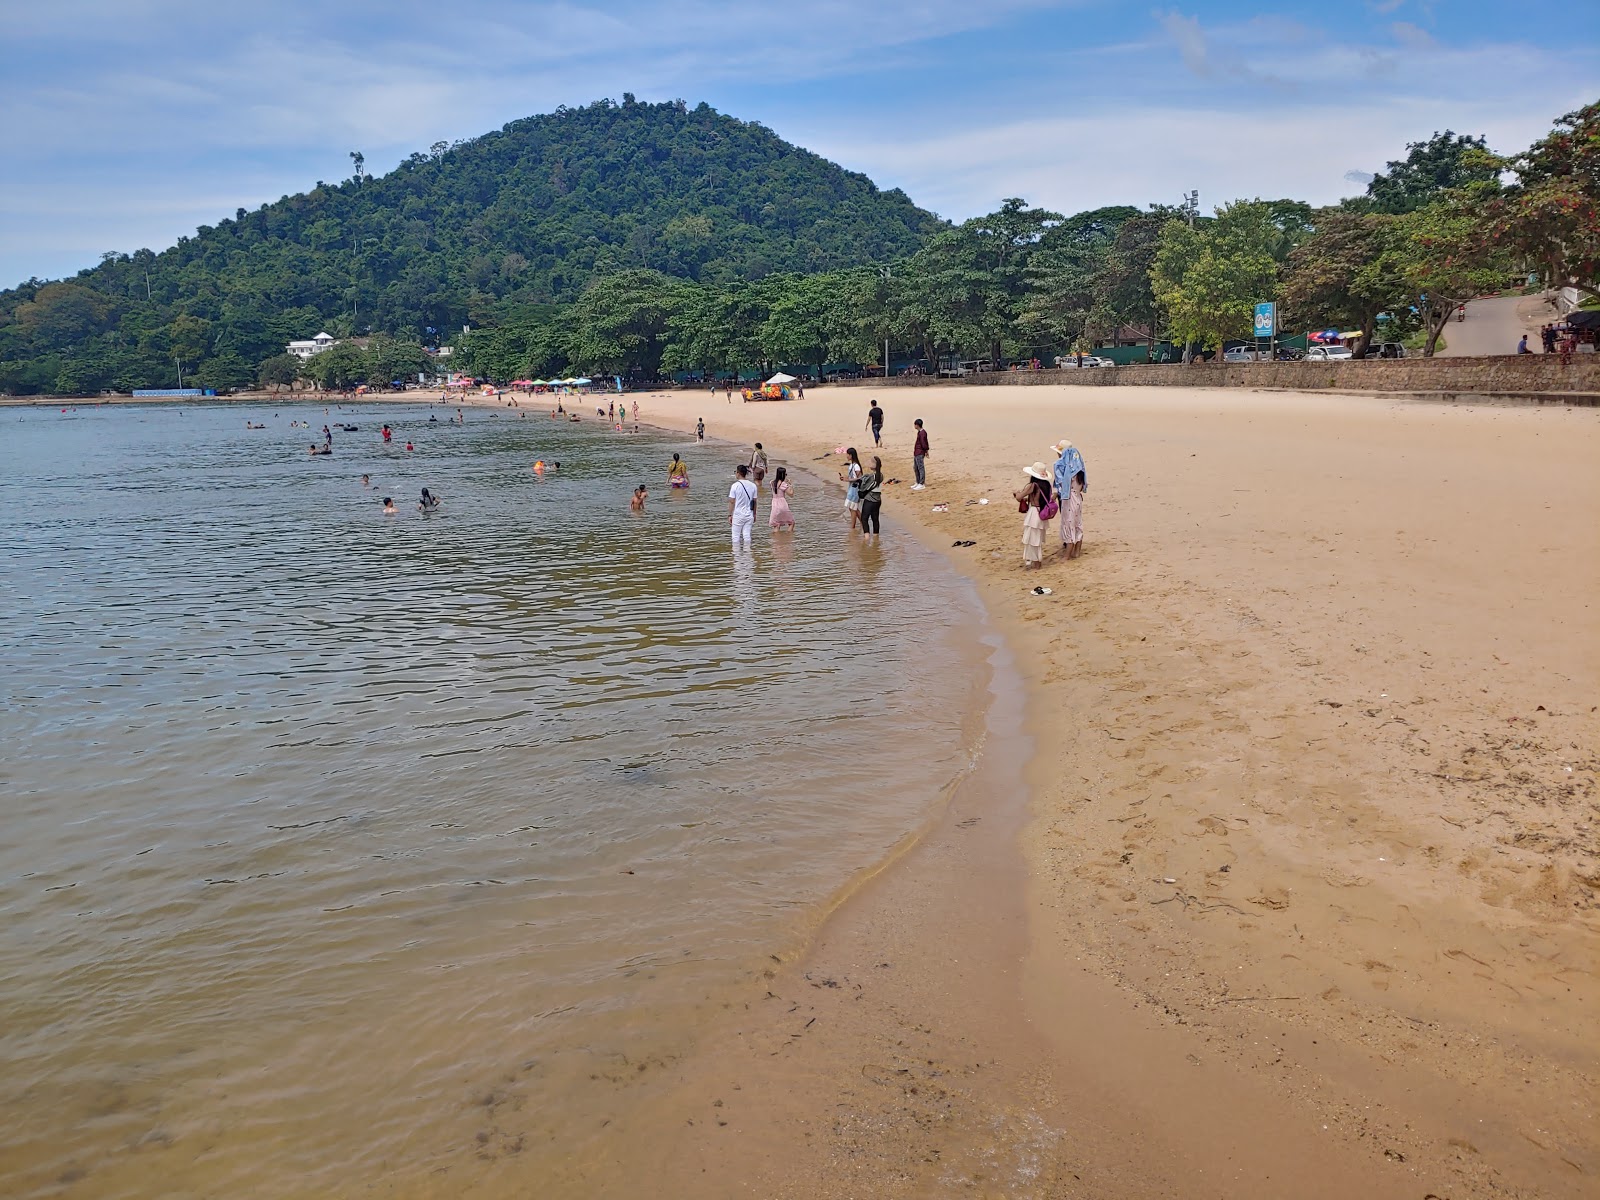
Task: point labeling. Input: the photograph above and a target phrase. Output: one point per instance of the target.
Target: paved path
(1493, 326)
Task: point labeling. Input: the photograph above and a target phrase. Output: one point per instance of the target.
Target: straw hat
(1063, 444)
(1038, 472)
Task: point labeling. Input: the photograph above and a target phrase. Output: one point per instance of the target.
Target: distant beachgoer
(555, 466)
(538, 466)
(758, 464)
(678, 473)
(388, 505)
(387, 434)
(409, 447)
(852, 494)
(366, 481)
(1031, 501)
(919, 457)
(611, 411)
(1522, 346)
(741, 507)
(800, 389)
(1071, 481)
(636, 411)
(869, 489)
(875, 422)
(430, 502)
(314, 449)
(781, 517)
(640, 495)
(700, 430)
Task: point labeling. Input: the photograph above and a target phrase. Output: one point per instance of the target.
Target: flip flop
(1042, 591)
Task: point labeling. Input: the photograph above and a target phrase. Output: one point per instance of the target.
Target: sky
(127, 123)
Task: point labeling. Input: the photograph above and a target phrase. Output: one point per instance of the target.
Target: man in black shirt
(875, 422)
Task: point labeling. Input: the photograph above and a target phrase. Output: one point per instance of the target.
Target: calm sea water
(350, 853)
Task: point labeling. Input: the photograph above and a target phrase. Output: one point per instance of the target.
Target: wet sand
(1308, 892)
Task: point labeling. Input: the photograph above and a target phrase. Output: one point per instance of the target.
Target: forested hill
(474, 233)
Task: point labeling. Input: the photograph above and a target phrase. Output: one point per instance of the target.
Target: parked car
(1069, 362)
(1328, 354)
(1386, 350)
(1239, 354)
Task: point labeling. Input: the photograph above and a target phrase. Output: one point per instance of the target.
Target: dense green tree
(1445, 162)
(1348, 272)
(1445, 259)
(278, 371)
(1551, 214)
(337, 368)
(1208, 278)
(389, 359)
(1063, 273)
(1123, 293)
(226, 372)
(620, 322)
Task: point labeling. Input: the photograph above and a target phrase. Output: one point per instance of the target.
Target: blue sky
(126, 123)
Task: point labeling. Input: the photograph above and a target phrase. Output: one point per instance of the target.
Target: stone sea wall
(1511, 376)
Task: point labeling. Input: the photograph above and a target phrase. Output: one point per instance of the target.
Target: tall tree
(1445, 258)
(1209, 278)
(1551, 214)
(1348, 272)
(1062, 272)
(1445, 162)
(1123, 295)
(621, 322)
(278, 371)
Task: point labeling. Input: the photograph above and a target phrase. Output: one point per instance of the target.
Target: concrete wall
(1504, 375)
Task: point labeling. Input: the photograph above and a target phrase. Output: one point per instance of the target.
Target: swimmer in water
(409, 447)
(538, 467)
(366, 481)
(388, 505)
(640, 495)
(430, 502)
(678, 473)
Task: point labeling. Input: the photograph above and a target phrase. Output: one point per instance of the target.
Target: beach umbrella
(780, 377)
(580, 381)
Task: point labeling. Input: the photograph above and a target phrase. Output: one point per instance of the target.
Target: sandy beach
(1299, 891)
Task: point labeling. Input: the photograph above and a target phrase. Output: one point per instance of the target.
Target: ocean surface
(350, 853)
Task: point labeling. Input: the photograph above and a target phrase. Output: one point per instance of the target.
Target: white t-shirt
(743, 495)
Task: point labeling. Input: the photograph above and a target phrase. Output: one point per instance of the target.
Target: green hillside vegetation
(795, 263)
(471, 234)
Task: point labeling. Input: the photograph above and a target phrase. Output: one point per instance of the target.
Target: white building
(311, 346)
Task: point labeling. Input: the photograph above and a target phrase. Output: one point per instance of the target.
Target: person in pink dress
(781, 517)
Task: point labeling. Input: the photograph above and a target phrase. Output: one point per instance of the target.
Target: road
(1492, 326)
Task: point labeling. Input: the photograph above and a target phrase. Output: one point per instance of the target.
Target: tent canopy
(780, 377)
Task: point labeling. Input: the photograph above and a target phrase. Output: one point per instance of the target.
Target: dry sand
(1302, 894)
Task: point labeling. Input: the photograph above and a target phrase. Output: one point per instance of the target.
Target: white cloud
(1412, 37)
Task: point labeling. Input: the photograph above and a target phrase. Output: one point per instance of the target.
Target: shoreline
(1369, 1051)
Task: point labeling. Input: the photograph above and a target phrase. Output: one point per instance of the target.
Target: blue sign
(1266, 320)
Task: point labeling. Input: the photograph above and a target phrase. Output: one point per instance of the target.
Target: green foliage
(226, 372)
(620, 322)
(1445, 162)
(1551, 214)
(278, 371)
(1209, 278)
(341, 366)
(1445, 259)
(472, 233)
(1346, 273)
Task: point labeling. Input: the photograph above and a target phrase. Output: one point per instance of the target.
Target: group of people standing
(1051, 492)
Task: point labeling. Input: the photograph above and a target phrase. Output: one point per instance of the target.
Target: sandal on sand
(941, 508)
(1042, 591)
(967, 543)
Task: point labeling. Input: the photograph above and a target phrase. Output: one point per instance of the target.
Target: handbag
(1050, 510)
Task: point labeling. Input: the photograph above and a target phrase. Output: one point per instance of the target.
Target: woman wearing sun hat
(1031, 501)
(1071, 484)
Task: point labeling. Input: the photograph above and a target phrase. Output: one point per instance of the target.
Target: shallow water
(347, 852)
